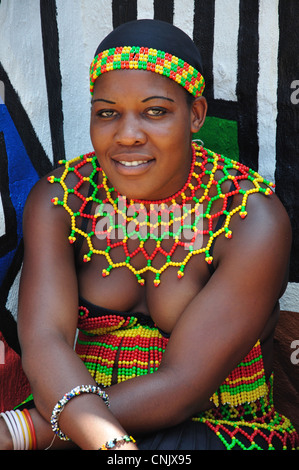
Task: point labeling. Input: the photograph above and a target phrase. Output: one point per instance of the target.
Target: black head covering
(157, 35)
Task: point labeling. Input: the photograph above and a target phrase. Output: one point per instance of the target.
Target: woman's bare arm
(219, 326)
(48, 309)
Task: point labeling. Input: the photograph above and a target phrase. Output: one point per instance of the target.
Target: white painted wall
(267, 86)
(21, 54)
(225, 57)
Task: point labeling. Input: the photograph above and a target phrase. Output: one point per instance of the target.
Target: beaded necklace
(185, 218)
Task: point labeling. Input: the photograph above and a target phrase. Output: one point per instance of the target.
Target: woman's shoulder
(63, 180)
(256, 218)
(46, 203)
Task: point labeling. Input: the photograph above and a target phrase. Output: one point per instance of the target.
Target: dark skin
(215, 320)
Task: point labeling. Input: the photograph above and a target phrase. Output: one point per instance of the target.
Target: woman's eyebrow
(143, 101)
(159, 97)
(102, 99)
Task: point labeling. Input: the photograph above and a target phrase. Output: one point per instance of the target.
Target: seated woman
(170, 260)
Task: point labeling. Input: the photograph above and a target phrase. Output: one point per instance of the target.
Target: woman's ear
(198, 113)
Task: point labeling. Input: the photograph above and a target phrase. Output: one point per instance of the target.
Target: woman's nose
(130, 131)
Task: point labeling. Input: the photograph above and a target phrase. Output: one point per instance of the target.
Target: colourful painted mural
(251, 67)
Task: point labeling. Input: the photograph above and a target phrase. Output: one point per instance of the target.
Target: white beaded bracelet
(58, 408)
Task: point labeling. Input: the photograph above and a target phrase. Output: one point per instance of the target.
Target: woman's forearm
(154, 401)
(56, 370)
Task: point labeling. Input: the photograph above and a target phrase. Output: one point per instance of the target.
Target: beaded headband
(145, 58)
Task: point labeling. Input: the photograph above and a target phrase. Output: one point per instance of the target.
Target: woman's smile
(132, 164)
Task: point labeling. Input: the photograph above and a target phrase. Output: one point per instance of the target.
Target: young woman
(168, 258)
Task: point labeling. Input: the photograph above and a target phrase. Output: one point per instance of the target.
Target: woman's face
(141, 128)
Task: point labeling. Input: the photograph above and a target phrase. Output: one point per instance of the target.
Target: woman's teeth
(135, 163)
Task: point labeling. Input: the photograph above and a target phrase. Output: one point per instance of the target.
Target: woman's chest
(120, 289)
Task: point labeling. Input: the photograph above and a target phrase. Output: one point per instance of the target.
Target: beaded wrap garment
(117, 346)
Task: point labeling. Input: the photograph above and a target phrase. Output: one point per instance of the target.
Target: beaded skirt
(118, 346)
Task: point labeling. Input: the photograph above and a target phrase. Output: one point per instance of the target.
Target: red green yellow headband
(144, 58)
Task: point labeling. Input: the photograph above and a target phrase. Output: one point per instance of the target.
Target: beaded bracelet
(58, 408)
(117, 442)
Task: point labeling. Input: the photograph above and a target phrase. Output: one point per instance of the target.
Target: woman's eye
(106, 113)
(156, 111)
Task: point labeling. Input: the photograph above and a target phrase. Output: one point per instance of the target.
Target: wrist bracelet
(58, 408)
(31, 427)
(24, 429)
(117, 442)
(21, 429)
